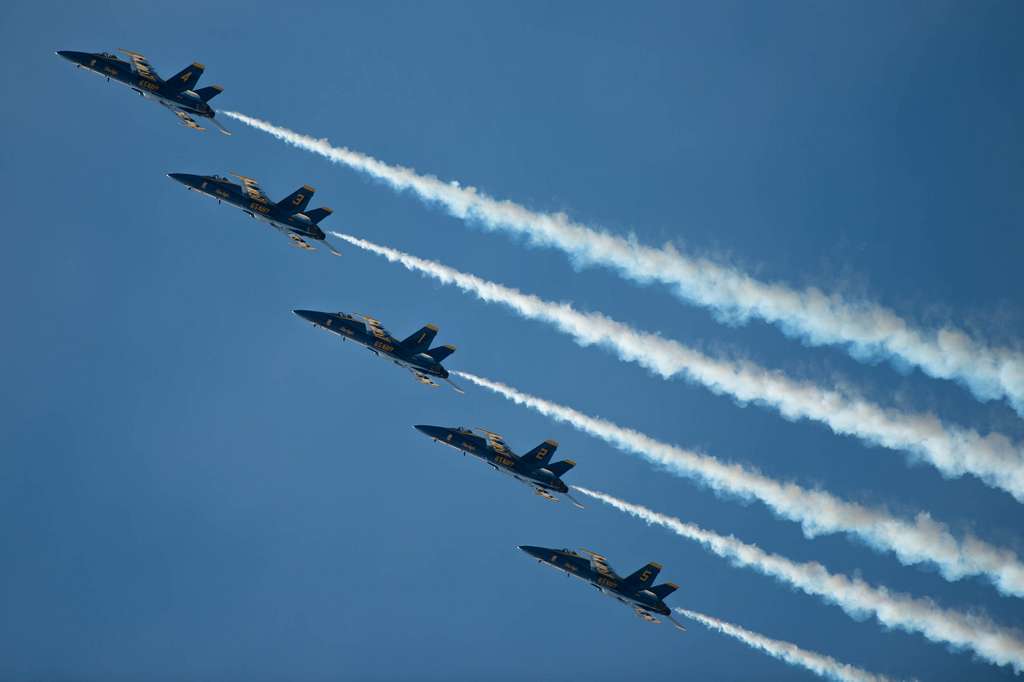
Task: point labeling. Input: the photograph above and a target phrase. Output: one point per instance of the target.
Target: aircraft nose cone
(80, 58)
(535, 552)
(187, 179)
(310, 316)
(432, 431)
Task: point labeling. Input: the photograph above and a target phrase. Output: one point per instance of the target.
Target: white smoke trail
(819, 664)
(866, 329)
(992, 642)
(953, 451)
(921, 540)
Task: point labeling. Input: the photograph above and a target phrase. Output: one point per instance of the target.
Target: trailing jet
(412, 353)
(177, 93)
(288, 216)
(637, 590)
(535, 468)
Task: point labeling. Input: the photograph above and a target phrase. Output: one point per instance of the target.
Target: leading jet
(534, 469)
(636, 591)
(288, 216)
(413, 353)
(178, 93)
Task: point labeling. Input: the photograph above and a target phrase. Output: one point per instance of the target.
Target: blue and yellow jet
(288, 216)
(636, 591)
(534, 469)
(413, 353)
(178, 93)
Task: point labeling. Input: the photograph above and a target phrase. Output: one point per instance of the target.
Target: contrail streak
(819, 664)
(953, 451)
(992, 642)
(817, 318)
(921, 540)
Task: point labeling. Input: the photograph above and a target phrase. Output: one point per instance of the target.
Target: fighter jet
(411, 353)
(533, 469)
(288, 216)
(636, 591)
(177, 93)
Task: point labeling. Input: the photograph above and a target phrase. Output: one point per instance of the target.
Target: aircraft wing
(188, 120)
(424, 379)
(600, 564)
(545, 494)
(141, 67)
(375, 327)
(497, 442)
(252, 188)
(298, 241)
(372, 321)
(645, 615)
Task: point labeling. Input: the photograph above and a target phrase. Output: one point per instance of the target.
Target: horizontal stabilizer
(643, 578)
(441, 352)
(318, 214)
(297, 201)
(663, 590)
(678, 625)
(541, 455)
(454, 385)
(209, 92)
(420, 341)
(559, 468)
(186, 79)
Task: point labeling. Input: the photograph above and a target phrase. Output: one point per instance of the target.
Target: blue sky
(197, 485)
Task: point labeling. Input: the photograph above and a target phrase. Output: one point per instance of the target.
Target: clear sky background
(196, 485)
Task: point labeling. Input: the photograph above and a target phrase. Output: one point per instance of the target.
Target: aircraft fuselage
(608, 583)
(236, 195)
(352, 328)
(150, 87)
(504, 461)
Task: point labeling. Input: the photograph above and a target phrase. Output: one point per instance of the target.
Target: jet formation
(288, 216)
(413, 353)
(637, 590)
(292, 217)
(177, 93)
(533, 469)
